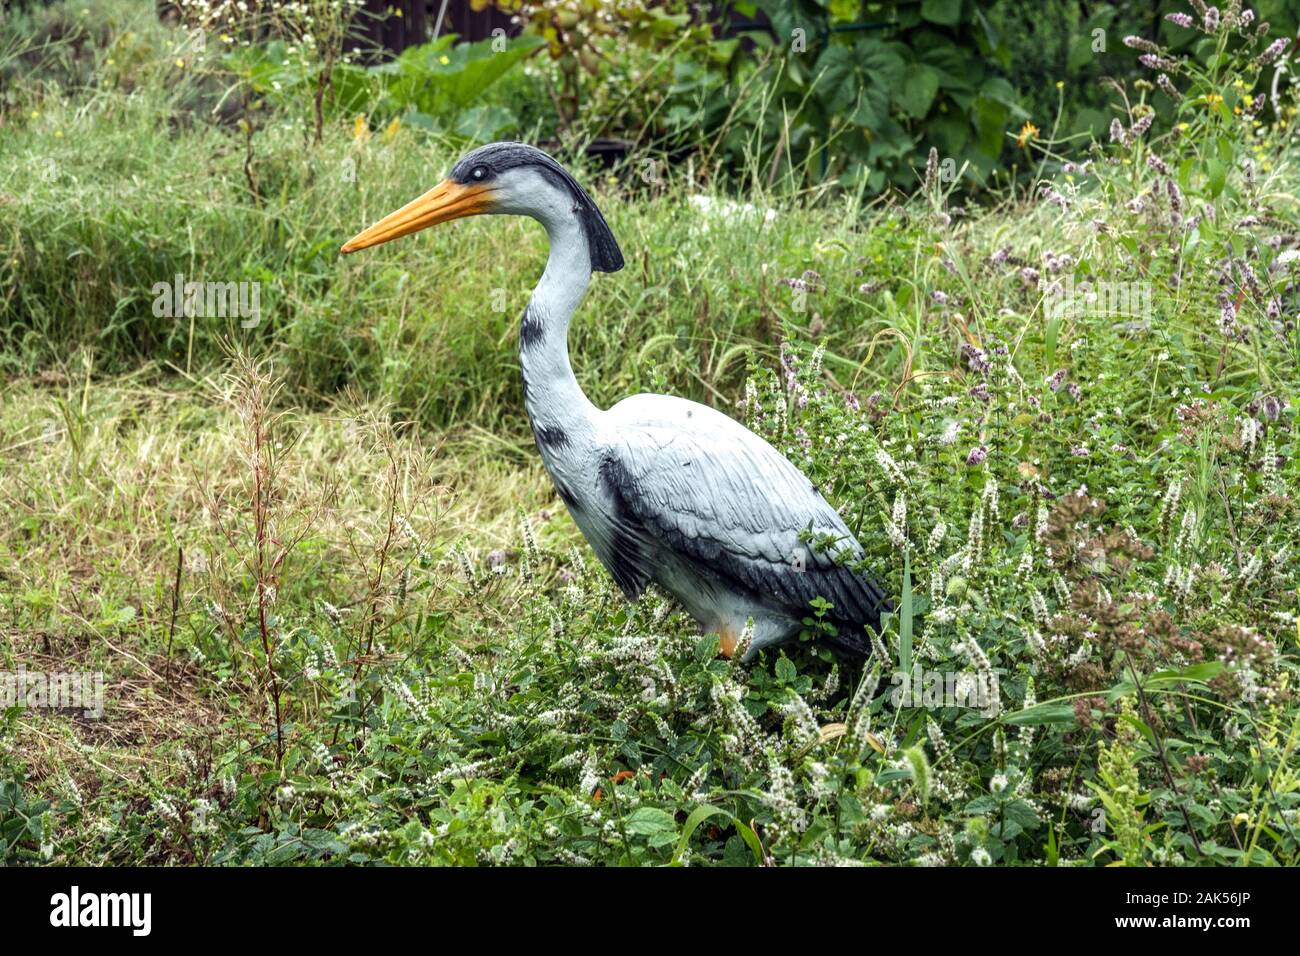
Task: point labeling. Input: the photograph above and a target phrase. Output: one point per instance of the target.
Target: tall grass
(377, 657)
(104, 195)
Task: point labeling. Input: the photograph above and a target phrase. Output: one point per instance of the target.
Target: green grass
(343, 617)
(145, 187)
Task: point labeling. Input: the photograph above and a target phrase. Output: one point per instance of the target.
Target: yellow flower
(1213, 99)
(58, 134)
(180, 64)
(391, 129)
(1060, 84)
(360, 131)
(444, 59)
(36, 114)
(1027, 133)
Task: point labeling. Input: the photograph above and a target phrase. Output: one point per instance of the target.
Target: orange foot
(729, 639)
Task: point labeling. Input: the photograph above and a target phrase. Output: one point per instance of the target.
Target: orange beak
(444, 202)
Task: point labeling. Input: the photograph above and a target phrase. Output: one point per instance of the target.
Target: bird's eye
(479, 172)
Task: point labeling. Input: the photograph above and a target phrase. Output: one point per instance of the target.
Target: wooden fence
(419, 19)
(387, 27)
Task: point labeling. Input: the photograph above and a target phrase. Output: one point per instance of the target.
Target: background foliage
(342, 616)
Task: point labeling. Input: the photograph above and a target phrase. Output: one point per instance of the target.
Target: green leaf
(1041, 714)
(285, 853)
(323, 841)
(949, 134)
(1200, 673)
(946, 12)
(1141, 725)
(649, 821)
(785, 670)
(435, 77)
(789, 15)
(1022, 813)
(1050, 848)
(997, 88)
(860, 78)
(1081, 52)
(905, 618)
(483, 124)
(990, 124)
(698, 816)
(1166, 679)
(956, 67)
(918, 90)
(484, 66)
(1216, 177)
(836, 83)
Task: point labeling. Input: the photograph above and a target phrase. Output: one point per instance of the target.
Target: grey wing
(719, 496)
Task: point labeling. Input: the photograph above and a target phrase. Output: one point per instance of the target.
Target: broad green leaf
(648, 821)
(785, 670)
(918, 90)
(483, 124)
(946, 12)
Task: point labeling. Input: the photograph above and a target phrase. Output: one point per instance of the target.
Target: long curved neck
(552, 395)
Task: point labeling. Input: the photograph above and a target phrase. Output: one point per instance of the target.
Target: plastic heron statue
(665, 490)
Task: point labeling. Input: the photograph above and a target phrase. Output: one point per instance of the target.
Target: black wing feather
(702, 502)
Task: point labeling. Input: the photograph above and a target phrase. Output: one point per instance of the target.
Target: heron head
(504, 178)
